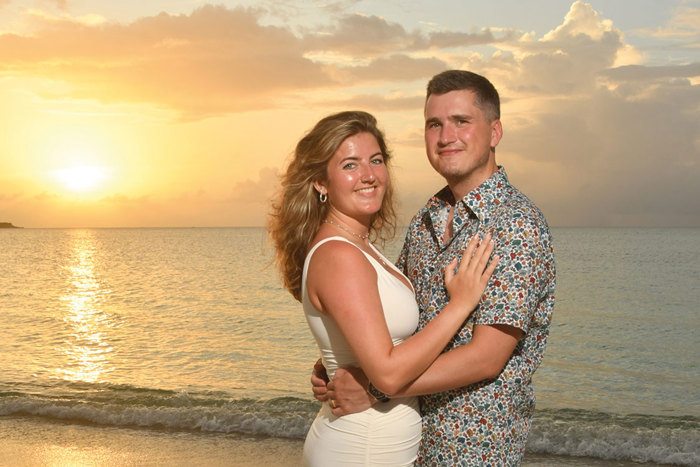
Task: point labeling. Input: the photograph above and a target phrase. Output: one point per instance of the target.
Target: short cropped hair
(459, 80)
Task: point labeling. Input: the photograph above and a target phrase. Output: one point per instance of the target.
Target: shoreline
(30, 441)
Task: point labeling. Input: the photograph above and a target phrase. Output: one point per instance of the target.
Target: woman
(336, 193)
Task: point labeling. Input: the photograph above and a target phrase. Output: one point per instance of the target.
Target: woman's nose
(367, 174)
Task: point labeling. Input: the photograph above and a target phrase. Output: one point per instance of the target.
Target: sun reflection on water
(85, 347)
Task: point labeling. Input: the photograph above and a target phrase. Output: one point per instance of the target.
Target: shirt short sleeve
(512, 295)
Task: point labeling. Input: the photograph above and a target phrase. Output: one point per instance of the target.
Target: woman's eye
(349, 166)
(378, 161)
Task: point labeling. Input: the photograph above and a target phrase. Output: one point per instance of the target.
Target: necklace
(361, 237)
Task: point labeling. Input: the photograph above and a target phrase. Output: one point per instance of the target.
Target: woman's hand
(319, 382)
(466, 284)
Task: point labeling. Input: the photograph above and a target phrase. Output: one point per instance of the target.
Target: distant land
(8, 225)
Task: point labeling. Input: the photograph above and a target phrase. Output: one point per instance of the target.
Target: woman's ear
(320, 187)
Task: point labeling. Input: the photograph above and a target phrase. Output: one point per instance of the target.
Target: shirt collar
(487, 195)
(474, 204)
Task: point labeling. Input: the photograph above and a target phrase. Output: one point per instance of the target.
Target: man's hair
(460, 80)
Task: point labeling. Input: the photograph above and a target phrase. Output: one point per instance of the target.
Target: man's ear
(496, 132)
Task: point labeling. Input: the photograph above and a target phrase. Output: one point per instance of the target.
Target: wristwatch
(377, 394)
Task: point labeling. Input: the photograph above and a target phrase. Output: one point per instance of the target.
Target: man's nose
(447, 135)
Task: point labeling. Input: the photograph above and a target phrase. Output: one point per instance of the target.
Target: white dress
(388, 433)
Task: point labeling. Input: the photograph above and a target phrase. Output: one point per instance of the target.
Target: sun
(82, 178)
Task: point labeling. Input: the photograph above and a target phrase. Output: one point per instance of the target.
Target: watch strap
(376, 393)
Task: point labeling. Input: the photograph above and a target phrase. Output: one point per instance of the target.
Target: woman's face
(357, 177)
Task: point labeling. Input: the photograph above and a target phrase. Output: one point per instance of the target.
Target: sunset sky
(183, 112)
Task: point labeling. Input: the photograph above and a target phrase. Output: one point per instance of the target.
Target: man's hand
(348, 392)
(319, 380)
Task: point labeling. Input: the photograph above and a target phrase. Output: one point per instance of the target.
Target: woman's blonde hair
(297, 212)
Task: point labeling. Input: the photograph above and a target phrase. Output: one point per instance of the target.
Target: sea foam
(640, 438)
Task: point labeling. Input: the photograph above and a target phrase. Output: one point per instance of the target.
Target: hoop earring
(322, 197)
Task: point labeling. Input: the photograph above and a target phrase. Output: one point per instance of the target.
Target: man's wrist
(376, 393)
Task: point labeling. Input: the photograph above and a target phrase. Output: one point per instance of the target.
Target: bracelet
(377, 394)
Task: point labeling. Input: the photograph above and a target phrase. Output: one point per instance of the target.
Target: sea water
(191, 330)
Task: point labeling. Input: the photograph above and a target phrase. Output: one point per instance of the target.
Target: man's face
(458, 140)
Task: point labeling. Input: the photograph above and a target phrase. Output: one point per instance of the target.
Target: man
(477, 397)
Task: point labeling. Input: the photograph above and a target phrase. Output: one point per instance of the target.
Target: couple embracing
(428, 361)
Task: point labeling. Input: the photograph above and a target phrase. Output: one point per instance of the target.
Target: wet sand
(33, 441)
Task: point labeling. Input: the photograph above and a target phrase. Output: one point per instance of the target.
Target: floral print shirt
(486, 423)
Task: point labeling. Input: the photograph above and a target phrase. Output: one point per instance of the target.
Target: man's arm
(481, 359)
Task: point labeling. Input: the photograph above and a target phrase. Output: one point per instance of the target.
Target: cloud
(611, 158)
(8, 198)
(380, 102)
(682, 26)
(397, 67)
(604, 145)
(45, 196)
(651, 73)
(121, 199)
(43, 16)
(60, 4)
(581, 20)
(367, 36)
(212, 61)
(256, 191)
(568, 58)
(216, 60)
(452, 39)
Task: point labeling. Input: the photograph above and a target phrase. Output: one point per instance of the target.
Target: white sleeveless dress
(388, 433)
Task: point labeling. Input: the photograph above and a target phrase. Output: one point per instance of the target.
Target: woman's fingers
(475, 260)
(473, 244)
(475, 257)
(450, 271)
(472, 247)
(490, 268)
(482, 261)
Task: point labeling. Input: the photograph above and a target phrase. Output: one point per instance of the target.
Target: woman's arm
(482, 358)
(350, 296)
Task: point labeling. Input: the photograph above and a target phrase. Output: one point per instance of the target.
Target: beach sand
(34, 441)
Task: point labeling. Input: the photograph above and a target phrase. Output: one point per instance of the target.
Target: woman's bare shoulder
(335, 251)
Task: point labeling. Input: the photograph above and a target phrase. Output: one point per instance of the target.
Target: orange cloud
(212, 61)
(257, 191)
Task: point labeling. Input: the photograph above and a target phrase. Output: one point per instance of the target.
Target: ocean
(188, 332)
